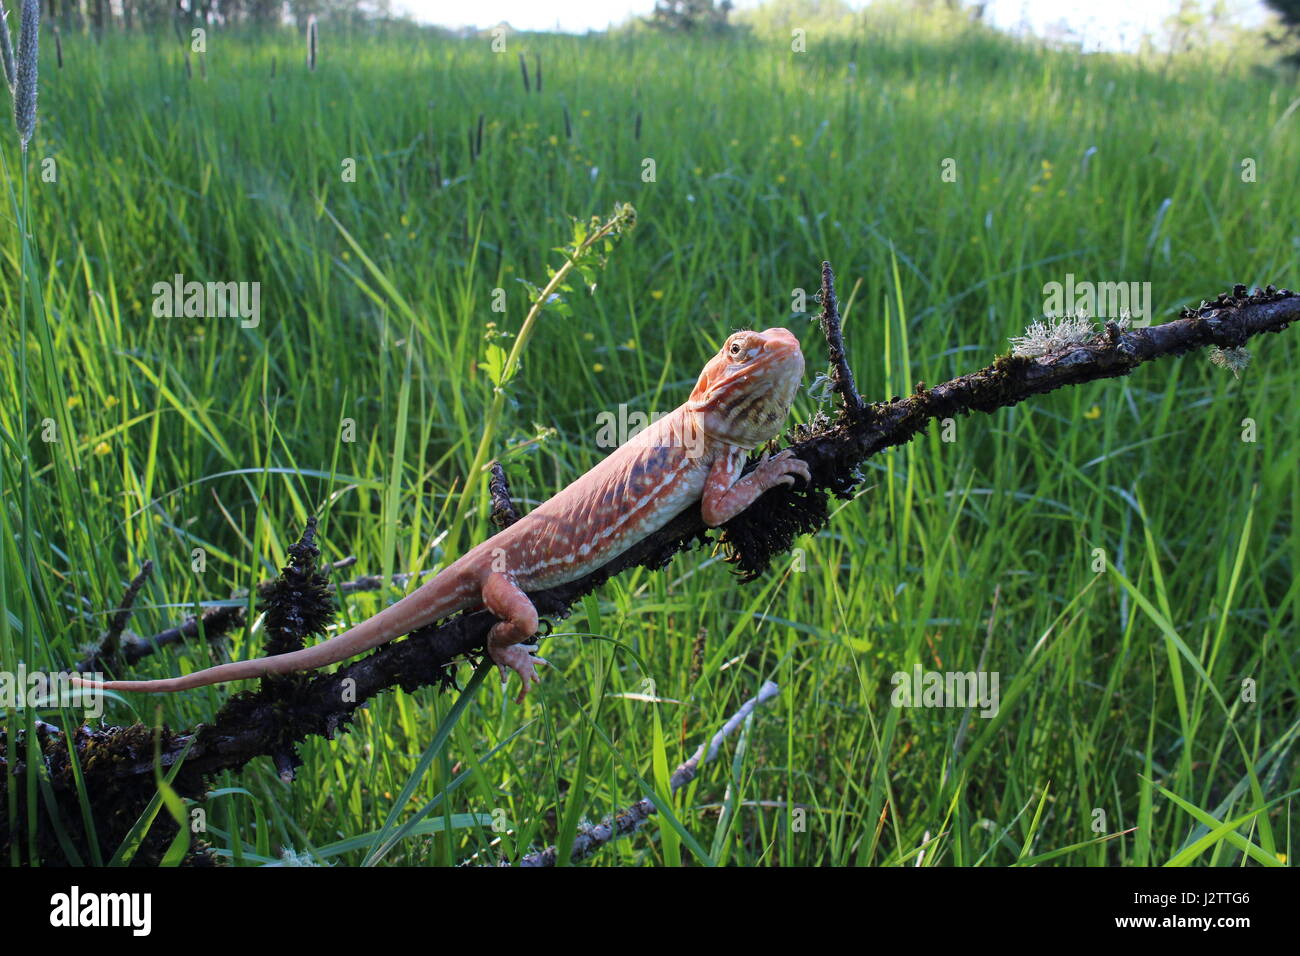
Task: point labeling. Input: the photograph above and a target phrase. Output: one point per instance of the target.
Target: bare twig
(841, 373)
(118, 621)
(503, 509)
(591, 839)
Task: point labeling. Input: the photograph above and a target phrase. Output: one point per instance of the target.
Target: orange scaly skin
(692, 455)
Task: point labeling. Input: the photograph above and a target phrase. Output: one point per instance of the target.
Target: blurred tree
(1288, 13)
(689, 15)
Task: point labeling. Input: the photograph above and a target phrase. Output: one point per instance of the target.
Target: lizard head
(745, 391)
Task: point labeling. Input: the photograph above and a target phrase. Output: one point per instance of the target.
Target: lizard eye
(734, 349)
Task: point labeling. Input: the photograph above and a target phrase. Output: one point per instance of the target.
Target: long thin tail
(431, 601)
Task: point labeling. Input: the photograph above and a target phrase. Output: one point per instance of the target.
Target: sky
(1101, 24)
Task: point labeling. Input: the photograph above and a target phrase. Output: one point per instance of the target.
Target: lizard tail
(426, 604)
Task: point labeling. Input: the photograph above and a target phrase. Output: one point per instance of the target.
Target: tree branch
(214, 622)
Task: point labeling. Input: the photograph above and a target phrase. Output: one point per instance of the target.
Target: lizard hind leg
(505, 643)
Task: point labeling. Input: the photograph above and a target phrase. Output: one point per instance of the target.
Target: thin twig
(591, 839)
(841, 374)
(503, 509)
(117, 623)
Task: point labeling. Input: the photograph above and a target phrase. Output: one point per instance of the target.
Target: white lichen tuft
(291, 857)
(1052, 335)
(1234, 359)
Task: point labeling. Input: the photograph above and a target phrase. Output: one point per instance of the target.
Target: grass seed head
(7, 48)
(25, 81)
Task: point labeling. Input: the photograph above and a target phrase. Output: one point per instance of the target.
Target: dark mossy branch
(841, 374)
(117, 624)
(270, 720)
(116, 657)
(503, 509)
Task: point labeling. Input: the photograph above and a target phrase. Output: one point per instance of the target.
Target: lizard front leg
(504, 598)
(727, 494)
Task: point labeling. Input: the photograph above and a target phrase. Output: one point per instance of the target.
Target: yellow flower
(102, 448)
(1035, 188)
(74, 401)
(388, 235)
(795, 141)
(553, 140)
(405, 221)
(110, 401)
(410, 235)
(630, 344)
(585, 113)
(657, 294)
(781, 178)
(588, 337)
(699, 170)
(597, 367)
(346, 255)
(1093, 413)
(735, 142)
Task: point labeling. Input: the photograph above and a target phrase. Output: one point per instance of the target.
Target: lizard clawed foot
(782, 468)
(520, 659)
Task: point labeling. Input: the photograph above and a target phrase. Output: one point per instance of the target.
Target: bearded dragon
(692, 456)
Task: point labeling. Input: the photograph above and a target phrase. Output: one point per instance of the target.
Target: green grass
(1121, 690)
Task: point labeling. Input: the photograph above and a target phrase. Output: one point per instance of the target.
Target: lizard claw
(520, 659)
(782, 468)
